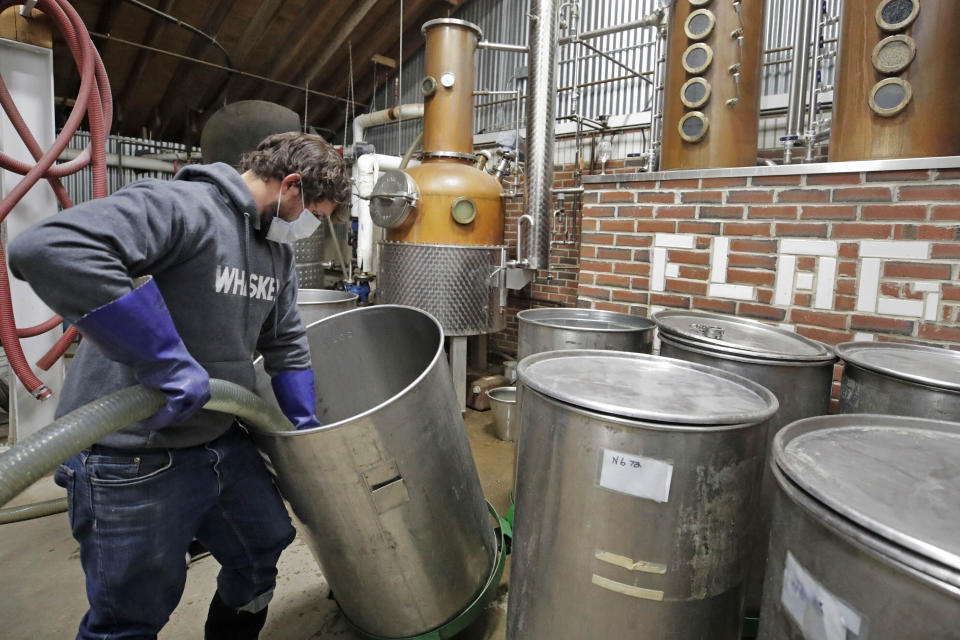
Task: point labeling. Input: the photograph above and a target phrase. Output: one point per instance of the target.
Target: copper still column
(444, 218)
(896, 92)
(712, 88)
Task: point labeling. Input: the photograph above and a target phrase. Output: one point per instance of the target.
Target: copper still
(712, 89)
(444, 218)
(896, 95)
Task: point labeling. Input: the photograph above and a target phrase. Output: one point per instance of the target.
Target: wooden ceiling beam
(366, 33)
(332, 116)
(132, 82)
(246, 48)
(287, 60)
(174, 97)
(299, 28)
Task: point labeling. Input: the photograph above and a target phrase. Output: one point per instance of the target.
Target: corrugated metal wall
(506, 21)
(80, 185)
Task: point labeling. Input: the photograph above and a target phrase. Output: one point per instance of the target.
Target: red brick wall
(835, 255)
(554, 287)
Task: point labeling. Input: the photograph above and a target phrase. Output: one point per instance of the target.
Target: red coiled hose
(93, 101)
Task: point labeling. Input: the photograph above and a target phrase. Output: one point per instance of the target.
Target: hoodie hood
(230, 183)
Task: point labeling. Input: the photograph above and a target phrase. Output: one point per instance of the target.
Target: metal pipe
(336, 244)
(818, 16)
(798, 78)
(650, 20)
(656, 108)
(633, 72)
(126, 162)
(541, 97)
(502, 46)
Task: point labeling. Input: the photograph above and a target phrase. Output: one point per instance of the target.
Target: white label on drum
(818, 613)
(636, 475)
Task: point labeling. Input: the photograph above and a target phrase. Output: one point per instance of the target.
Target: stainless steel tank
(865, 537)
(900, 379)
(553, 329)
(637, 481)
(308, 256)
(317, 304)
(799, 371)
(387, 489)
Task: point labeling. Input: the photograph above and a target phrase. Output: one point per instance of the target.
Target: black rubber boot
(224, 623)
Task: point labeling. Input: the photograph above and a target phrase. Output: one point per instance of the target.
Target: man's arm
(82, 263)
(286, 357)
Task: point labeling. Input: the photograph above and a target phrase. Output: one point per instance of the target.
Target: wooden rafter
(330, 116)
(174, 98)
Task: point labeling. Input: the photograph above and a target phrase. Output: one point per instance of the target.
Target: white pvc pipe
(385, 116)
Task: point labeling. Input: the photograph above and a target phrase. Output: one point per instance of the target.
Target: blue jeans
(135, 513)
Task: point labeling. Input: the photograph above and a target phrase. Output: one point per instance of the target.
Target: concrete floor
(42, 590)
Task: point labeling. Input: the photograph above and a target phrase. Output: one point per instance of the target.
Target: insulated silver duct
(541, 98)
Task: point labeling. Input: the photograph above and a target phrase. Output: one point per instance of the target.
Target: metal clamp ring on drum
(409, 197)
(456, 155)
(468, 615)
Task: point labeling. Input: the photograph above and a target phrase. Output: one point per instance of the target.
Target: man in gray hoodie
(171, 283)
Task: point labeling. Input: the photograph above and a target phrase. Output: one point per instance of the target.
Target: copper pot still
(895, 94)
(712, 91)
(444, 218)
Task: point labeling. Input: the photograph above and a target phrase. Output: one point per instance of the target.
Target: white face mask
(289, 232)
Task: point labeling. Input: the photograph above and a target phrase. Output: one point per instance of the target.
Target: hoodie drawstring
(246, 268)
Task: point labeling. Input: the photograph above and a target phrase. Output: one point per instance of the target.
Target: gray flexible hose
(41, 453)
(30, 511)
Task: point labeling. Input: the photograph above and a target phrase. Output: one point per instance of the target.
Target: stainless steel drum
(799, 371)
(317, 304)
(865, 537)
(506, 420)
(387, 489)
(553, 329)
(637, 481)
(900, 379)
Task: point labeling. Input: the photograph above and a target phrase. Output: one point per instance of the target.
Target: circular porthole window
(463, 210)
(695, 92)
(891, 96)
(894, 15)
(700, 24)
(697, 58)
(894, 54)
(693, 126)
(699, 3)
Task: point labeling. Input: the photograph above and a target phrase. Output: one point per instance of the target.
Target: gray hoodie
(230, 291)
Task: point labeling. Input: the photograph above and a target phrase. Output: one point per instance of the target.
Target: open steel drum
(387, 489)
(317, 304)
(900, 379)
(864, 543)
(637, 482)
(799, 371)
(555, 329)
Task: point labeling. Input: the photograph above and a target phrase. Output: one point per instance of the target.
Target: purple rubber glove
(136, 329)
(296, 396)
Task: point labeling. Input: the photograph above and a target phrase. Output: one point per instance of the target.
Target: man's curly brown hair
(322, 171)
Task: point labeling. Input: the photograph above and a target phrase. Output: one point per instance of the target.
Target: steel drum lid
(932, 366)
(739, 337)
(897, 477)
(648, 388)
(586, 320)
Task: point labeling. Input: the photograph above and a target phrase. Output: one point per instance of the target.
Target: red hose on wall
(93, 101)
